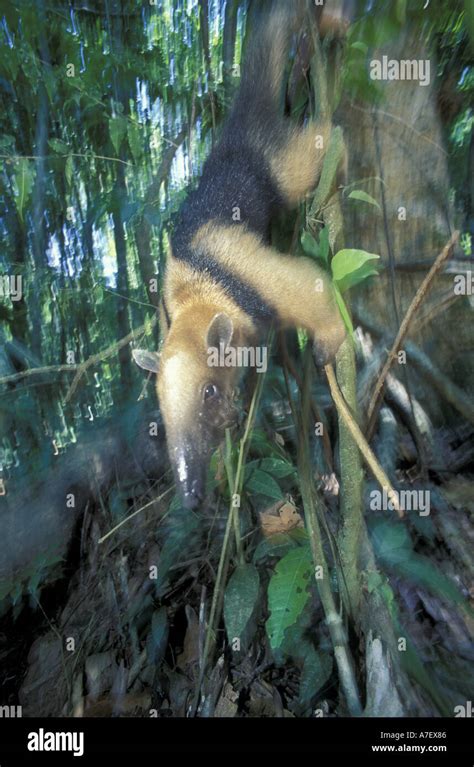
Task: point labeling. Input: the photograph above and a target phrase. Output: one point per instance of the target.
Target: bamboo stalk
(352, 477)
(334, 621)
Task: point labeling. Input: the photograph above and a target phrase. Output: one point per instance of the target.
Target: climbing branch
(360, 440)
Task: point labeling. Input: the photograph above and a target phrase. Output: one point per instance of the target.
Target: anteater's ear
(220, 331)
(146, 360)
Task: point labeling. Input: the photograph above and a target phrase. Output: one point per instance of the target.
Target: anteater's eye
(210, 391)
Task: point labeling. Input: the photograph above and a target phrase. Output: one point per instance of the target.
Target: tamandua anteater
(224, 283)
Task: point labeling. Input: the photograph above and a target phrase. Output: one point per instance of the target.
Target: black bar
(135, 737)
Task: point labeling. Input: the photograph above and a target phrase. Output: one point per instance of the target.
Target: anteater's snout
(193, 494)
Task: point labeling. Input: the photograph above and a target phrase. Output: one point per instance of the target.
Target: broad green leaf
(354, 278)
(392, 542)
(358, 194)
(24, 176)
(349, 260)
(240, 599)
(317, 669)
(117, 130)
(288, 592)
(262, 444)
(262, 483)
(58, 146)
(343, 309)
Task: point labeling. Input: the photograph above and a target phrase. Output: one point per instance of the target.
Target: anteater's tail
(265, 58)
(291, 153)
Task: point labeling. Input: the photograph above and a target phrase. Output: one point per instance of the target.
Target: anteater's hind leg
(296, 167)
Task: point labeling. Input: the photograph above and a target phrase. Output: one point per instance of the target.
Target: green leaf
(350, 266)
(240, 599)
(331, 163)
(359, 46)
(262, 483)
(302, 338)
(274, 466)
(274, 546)
(362, 274)
(313, 249)
(310, 246)
(317, 669)
(343, 309)
(279, 544)
(134, 140)
(58, 146)
(391, 541)
(158, 636)
(24, 176)
(69, 169)
(288, 592)
(261, 444)
(349, 260)
(358, 194)
(117, 130)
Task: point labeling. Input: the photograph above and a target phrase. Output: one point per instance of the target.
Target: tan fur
(193, 301)
(279, 23)
(296, 167)
(299, 291)
(184, 287)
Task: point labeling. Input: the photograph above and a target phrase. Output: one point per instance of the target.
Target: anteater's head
(196, 394)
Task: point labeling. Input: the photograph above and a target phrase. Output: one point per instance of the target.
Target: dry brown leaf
(124, 706)
(190, 655)
(280, 518)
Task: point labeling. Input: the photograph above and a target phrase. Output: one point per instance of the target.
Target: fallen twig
(108, 353)
(81, 367)
(417, 300)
